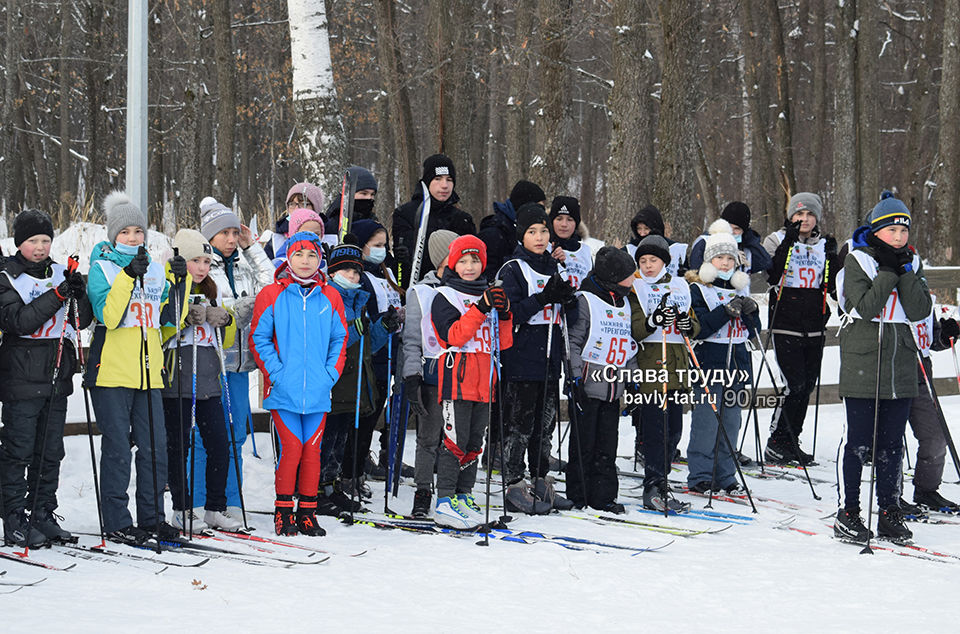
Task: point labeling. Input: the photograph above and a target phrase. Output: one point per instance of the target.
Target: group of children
(478, 352)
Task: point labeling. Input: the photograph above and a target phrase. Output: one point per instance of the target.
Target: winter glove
(138, 265)
(662, 317)
(217, 317)
(733, 308)
(884, 254)
(362, 323)
(178, 266)
(411, 387)
(196, 314)
(392, 320)
(401, 253)
(684, 323)
(747, 305)
(830, 246)
(243, 309)
(949, 329)
(555, 291)
(791, 232)
(904, 261)
(494, 298)
(76, 285)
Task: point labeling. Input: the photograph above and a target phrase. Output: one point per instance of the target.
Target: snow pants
(464, 425)
(429, 434)
(239, 383)
(799, 359)
(889, 451)
(300, 436)
(527, 427)
(932, 444)
(706, 441)
(23, 448)
(654, 446)
(213, 432)
(364, 436)
(593, 453)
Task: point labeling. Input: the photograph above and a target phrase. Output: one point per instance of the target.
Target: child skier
(600, 337)
(460, 314)
(345, 269)
(882, 290)
(564, 234)
(806, 263)
(649, 221)
(419, 371)
(728, 317)
(662, 315)
(537, 293)
(130, 296)
(195, 387)
(36, 295)
(298, 338)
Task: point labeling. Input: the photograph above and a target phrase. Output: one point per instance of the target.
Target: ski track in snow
(749, 576)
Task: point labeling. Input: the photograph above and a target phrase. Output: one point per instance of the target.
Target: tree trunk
(11, 72)
(818, 119)
(631, 121)
(846, 198)
(92, 79)
(784, 123)
(673, 189)
(188, 209)
(868, 110)
(548, 165)
(320, 132)
(517, 115)
(66, 165)
(401, 118)
(947, 192)
(227, 99)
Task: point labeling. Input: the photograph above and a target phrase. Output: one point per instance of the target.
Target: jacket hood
(505, 212)
(860, 237)
(105, 251)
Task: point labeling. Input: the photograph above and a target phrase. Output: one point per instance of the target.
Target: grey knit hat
(805, 201)
(121, 213)
(438, 246)
(654, 245)
(720, 241)
(215, 217)
(192, 244)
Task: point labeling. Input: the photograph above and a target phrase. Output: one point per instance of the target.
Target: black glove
(555, 291)
(73, 286)
(494, 298)
(684, 323)
(830, 246)
(178, 266)
(904, 260)
(411, 387)
(138, 265)
(885, 255)
(949, 329)
(791, 231)
(733, 308)
(747, 305)
(401, 253)
(392, 320)
(662, 317)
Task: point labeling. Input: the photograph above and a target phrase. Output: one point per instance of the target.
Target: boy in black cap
(36, 295)
(440, 177)
(576, 256)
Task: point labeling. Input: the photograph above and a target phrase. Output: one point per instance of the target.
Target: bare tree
(948, 192)
(227, 103)
(846, 198)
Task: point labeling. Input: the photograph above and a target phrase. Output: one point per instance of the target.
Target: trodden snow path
(748, 576)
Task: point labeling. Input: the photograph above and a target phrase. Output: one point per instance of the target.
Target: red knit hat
(467, 245)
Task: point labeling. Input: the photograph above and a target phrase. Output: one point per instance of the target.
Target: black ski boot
(849, 527)
(890, 526)
(912, 511)
(325, 504)
(306, 517)
(130, 535)
(934, 501)
(422, 502)
(343, 500)
(46, 523)
(17, 531)
(284, 520)
(778, 453)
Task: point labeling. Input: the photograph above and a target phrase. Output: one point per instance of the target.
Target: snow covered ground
(751, 576)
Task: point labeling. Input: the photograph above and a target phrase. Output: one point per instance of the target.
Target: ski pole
(183, 460)
(572, 405)
(193, 427)
(723, 404)
(390, 426)
(356, 428)
(713, 405)
(823, 343)
(876, 424)
(543, 403)
(666, 422)
(233, 433)
(494, 354)
(145, 360)
(86, 404)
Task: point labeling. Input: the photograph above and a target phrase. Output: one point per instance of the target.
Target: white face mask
(725, 275)
(376, 255)
(343, 282)
(653, 279)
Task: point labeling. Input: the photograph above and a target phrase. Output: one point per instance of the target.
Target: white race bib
(735, 329)
(535, 284)
(429, 345)
(893, 309)
(29, 288)
(579, 263)
(608, 341)
(650, 296)
(481, 341)
(387, 296)
(144, 307)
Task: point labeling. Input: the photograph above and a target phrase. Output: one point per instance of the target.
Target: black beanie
(654, 245)
(438, 165)
(737, 213)
(565, 206)
(29, 223)
(346, 255)
(530, 214)
(612, 265)
(526, 192)
(651, 217)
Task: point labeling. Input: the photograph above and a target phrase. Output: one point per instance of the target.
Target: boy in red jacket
(461, 317)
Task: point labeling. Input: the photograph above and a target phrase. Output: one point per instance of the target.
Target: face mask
(738, 238)
(725, 275)
(343, 282)
(126, 249)
(363, 208)
(377, 255)
(653, 279)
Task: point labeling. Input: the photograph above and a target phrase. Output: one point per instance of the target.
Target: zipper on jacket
(303, 393)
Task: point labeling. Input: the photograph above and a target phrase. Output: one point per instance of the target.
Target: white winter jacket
(252, 271)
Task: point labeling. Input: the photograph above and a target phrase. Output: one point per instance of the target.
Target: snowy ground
(751, 575)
